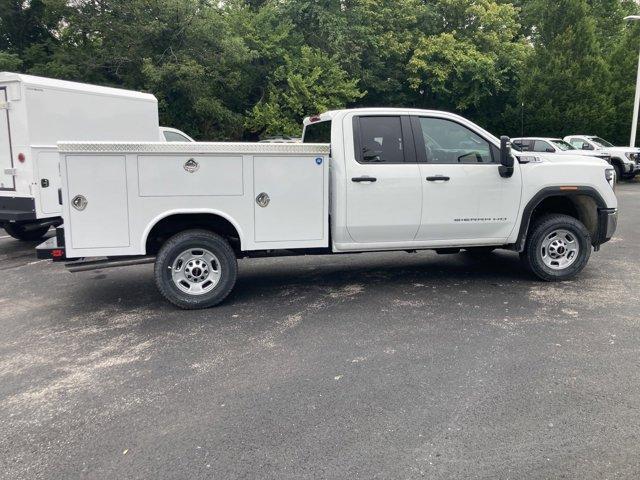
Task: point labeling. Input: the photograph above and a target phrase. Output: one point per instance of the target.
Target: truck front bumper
(17, 209)
(607, 225)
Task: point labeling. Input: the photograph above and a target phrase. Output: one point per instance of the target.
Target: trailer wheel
(196, 269)
(20, 233)
(558, 248)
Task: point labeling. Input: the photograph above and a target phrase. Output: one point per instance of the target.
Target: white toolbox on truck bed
(275, 195)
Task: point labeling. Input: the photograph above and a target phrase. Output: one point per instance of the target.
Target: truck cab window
(381, 140)
(576, 142)
(175, 137)
(542, 146)
(319, 132)
(522, 145)
(449, 142)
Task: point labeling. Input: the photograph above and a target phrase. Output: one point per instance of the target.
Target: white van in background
(36, 113)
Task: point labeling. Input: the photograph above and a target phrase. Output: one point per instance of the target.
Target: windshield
(562, 145)
(601, 142)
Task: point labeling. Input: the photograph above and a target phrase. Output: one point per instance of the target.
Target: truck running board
(112, 262)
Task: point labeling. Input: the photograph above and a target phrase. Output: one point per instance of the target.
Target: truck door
(6, 154)
(384, 191)
(464, 198)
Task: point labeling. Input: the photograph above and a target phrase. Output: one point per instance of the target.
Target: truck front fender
(572, 195)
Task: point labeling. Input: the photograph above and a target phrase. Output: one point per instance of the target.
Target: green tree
(564, 85)
(309, 82)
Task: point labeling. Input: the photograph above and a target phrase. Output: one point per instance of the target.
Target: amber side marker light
(568, 188)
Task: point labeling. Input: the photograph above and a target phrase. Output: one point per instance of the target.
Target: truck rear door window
(381, 140)
(542, 146)
(523, 145)
(319, 132)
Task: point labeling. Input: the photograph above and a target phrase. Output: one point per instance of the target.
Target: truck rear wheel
(19, 232)
(196, 269)
(558, 248)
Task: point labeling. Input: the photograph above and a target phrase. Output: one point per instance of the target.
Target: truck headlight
(610, 175)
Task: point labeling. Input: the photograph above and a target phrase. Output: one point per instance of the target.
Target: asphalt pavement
(368, 366)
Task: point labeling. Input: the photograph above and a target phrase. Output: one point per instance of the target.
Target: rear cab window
(317, 132)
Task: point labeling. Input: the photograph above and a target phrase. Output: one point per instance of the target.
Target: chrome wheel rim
(560, 249)
(196, 271)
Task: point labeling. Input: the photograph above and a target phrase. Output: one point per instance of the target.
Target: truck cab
(545, 145)
(625, 160)
(362, 180)
(430, 179)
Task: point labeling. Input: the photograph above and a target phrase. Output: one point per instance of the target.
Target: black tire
(196, 240)
(618, 171)
(20, 233)
(532, 256)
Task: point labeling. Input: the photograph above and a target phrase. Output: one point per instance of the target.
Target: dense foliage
(241, 69)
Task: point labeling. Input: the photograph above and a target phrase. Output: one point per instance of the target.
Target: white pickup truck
(625, 160)
(363, 180)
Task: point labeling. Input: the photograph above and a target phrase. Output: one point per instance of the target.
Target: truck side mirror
(506, 159)
(586, 146)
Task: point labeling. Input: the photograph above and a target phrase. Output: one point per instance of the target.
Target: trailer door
(6, 154)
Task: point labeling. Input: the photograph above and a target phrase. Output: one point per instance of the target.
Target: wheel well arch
(581, 203)
(166, 226)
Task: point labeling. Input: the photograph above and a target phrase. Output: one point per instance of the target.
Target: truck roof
(32, 80)
(333, 114)
(546, 139)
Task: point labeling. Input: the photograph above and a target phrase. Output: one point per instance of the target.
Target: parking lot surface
(363, 366)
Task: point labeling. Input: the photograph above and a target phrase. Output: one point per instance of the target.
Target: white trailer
(363, 180)
(36, 113)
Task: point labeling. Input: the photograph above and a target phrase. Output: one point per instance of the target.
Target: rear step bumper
(54, 249)
(51, 249)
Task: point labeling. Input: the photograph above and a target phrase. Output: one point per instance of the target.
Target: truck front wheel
(618, 170)
(558, 248)
(196, 269)
(21, 232)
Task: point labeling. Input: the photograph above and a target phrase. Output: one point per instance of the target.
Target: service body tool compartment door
(6, 159)
(97, 199)
(48, 162)
(190, 175)
(290, 199)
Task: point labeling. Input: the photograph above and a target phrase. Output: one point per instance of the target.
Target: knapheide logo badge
(191, 166)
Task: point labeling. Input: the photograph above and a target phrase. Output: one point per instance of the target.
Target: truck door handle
(44, 182)
(438, 178)
(364, 179)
